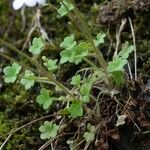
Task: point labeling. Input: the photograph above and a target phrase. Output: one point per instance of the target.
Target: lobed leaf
(45, 99)
(28, 79)
(65, 8)
(37, 46)
(76, 80)
(68, 43)
(48, 130)
(99, 39)
(11, 72)
(76, 109)
(50, 64)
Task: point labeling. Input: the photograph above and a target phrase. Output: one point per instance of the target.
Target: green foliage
(76, 109)
(48, 130)
(28, 79)
(37, 46)
(45, 99)
(126, 50)
(11, 73)
(118, 77)
(90, 135)
(73, 100)
(72, 144)
(68, 43)
(85, 91)
(76, 80)
(99, 39)
(65, 7)
(116, 66)
(121, 59)
(76, 54)
(50, 64)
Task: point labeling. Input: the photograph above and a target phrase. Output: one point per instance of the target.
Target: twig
(25, 125)
(118, 35)
(23, 18)
(46, 144)
(33, 27)
(146, 132)
(130, 73)
(134, 43)
(5, 141)
(37, 24)
(125, 109)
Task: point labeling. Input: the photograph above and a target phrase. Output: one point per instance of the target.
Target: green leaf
(65, 56)
(79, 52)
(118, 77)
(85, 91)
(48, 130)
(117, 65)
(76, 109)
(85, 98)
(85, 88)
(68, 43)
(121, 59)
(76, 80)
(11, 72)
(126, 50)
(37, 46)
(91, 128)
(65, 8)
(28, 79)
(99, 39)
(89, 136)
(45, 99)
(72, 144)
(50, 64)
(76, 54)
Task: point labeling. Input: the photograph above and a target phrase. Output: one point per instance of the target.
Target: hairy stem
(89, 37)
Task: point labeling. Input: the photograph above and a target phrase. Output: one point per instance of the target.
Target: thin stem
(90, 63)
(13, 48)
(130, 72)
(84, 25)
(134, 43)
(29, 123)
(13, 60)
(5, 141)
(118, 35)
(86, 32)
(34, 62)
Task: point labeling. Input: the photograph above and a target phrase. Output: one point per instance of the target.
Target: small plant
(90, 134)
(48, 130)
(74, 98)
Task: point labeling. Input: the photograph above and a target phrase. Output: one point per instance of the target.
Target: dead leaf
(121, 120)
